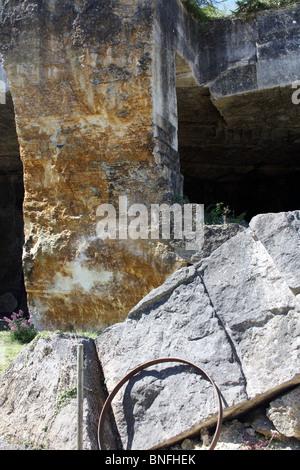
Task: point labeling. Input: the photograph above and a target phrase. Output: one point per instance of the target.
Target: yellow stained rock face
(81, 81)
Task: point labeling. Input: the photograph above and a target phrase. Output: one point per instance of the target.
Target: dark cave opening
(252, 194)
(12, 290)
(241, 150)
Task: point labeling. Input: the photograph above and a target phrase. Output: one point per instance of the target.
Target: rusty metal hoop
(128, 376)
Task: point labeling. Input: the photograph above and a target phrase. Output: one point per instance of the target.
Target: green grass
(9, 349)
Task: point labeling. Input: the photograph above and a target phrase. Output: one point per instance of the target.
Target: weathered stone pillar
(80, 74)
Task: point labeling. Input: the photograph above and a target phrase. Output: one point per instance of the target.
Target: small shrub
(65, 397)
(220, 214)
(20, 327)
(203, 10)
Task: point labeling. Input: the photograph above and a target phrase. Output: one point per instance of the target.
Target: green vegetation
(9, 349)
(206, 10)
(180, 199)
(218, 214)
(65, 397)
(11, 346)
(248, 8)
(88, 333)
(21, 328)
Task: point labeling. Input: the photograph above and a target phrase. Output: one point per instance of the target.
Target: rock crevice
(237, 307)
(232, 314)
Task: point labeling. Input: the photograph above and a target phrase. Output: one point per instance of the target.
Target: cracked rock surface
(38, 406)
(235, 314)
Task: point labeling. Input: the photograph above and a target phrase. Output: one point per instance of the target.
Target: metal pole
(79, 396)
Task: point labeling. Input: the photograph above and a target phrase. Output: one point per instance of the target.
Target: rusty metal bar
(128, 376)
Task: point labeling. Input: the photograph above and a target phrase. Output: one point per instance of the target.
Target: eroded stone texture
(239, 131)
(233, 314)
(99, 89)
(80, 75)
(284, 412)
(38, 395)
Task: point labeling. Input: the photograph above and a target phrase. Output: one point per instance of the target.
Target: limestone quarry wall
(81, 80)
(95, 88)
(230, 94)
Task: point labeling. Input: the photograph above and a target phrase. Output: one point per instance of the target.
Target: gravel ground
(234, 436)
(238, 436)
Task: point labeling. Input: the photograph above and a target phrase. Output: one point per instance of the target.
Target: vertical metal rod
(80, 397)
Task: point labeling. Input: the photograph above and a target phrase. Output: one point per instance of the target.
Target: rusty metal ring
(111, 396)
